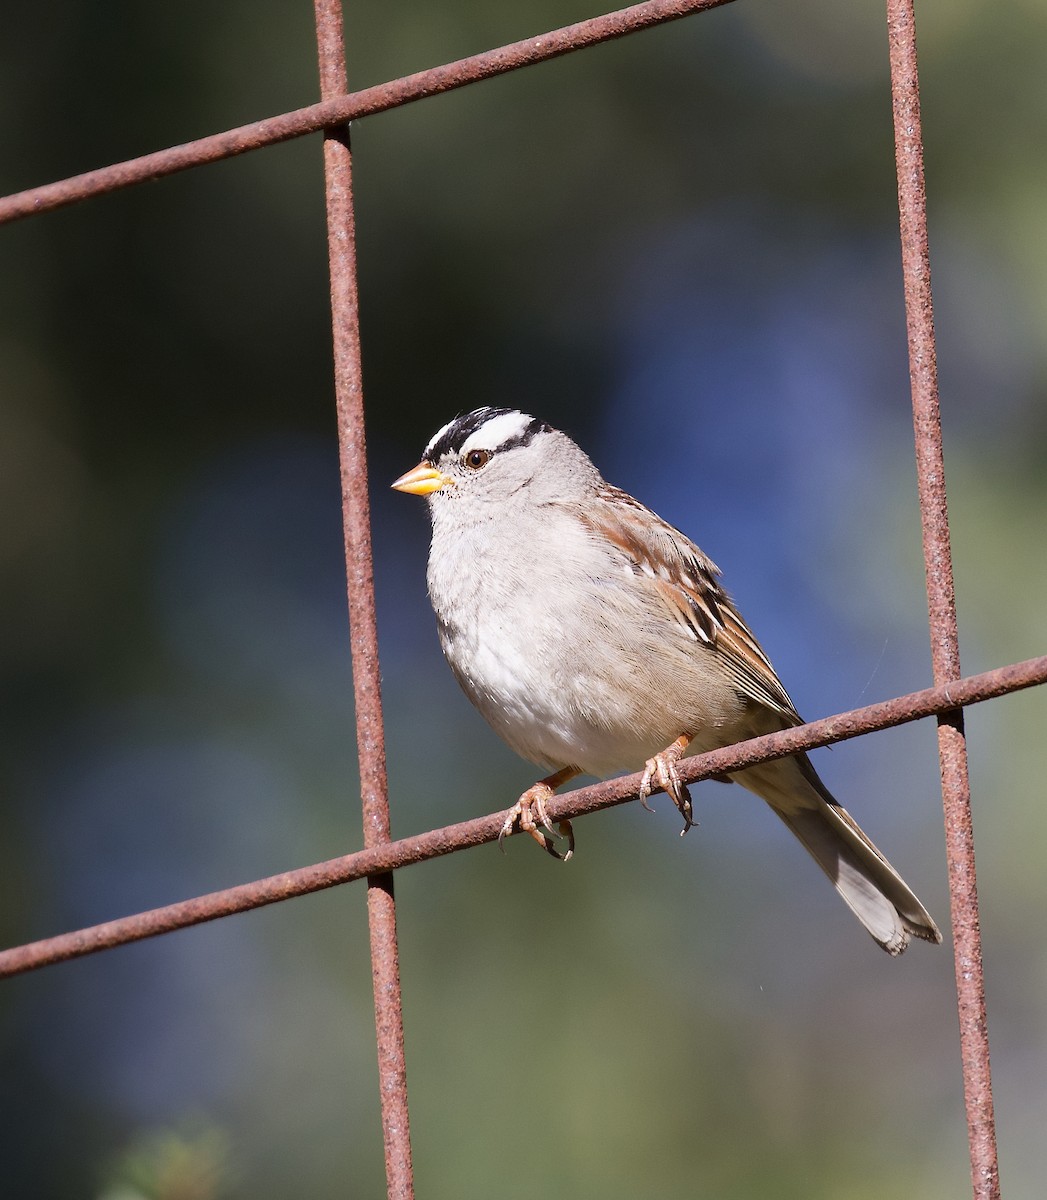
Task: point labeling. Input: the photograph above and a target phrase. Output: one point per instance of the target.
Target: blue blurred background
(681, 248)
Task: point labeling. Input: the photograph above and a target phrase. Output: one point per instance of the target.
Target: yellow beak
(423, 480)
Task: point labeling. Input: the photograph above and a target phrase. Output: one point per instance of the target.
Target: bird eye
(476, 459)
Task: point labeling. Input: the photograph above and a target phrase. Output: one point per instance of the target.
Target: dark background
(681, 248)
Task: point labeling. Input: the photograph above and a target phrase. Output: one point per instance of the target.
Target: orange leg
(531, 805)
(661, 770)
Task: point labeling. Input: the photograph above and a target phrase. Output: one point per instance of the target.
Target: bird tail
(869, 885)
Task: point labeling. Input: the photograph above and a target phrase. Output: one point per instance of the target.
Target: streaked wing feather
(685, 580)
(751, 668)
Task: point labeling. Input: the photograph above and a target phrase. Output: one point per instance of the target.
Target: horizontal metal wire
(352, 107)
(393, 855)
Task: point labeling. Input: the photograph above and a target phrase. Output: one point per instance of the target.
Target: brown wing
(686, 582)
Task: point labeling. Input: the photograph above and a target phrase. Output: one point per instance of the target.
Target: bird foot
(661, 771)
(529, 815)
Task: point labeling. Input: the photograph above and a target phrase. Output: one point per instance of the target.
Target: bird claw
(661, 770)
(522, 816)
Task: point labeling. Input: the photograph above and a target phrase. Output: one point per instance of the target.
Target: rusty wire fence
(382, 856)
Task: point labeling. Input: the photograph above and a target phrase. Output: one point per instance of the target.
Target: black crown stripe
(463, 427)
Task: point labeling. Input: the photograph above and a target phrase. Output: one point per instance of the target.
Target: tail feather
(868, 884)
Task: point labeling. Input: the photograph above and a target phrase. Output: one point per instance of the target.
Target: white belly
(550, 684)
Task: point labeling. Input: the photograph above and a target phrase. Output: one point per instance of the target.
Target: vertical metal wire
(381, 906)
(941, 600)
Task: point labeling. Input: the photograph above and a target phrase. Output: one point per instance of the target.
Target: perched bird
(595, 638)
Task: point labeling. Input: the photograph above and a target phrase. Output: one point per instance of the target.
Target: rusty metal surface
(389, 856)
(381, 856)
(356, 524)
(340, 107)
(941, 601)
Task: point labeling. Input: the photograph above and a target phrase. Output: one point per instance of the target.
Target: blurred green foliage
(680, 247)
(190, 1163)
